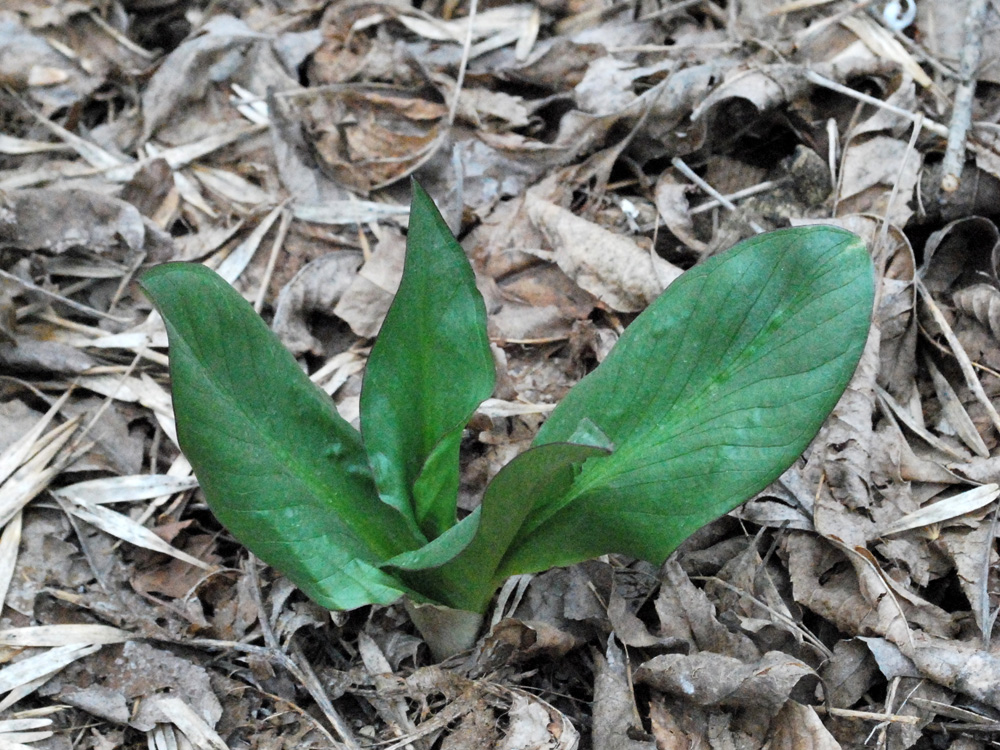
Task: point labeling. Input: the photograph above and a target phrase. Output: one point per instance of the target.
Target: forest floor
(851, 604)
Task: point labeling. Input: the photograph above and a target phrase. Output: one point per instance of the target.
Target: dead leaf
(317, 288)
(616, 721)
(55, 221)
(797, 727)
(609, 266)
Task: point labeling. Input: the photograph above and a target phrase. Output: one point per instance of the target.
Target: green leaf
(535, 478)
(279, 467)
(708, 396)
(428, 371)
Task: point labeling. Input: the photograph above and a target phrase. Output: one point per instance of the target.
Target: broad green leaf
(708, 396)
(428, 371)
(536, 478)
(279, 467)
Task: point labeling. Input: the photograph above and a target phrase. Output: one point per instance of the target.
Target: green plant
(707, 397)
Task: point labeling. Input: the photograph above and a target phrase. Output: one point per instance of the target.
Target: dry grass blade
(41, 665)
(124, 528)
(126, 488)
(181, 156)
(893, 406)
(10, 541)
(35, 474)
(882, 43)
(63, 635)
(236, 261)
(25, 446)
(11, 744)
(13, 146)
(955, 413)
(945, 510)
(960, 355)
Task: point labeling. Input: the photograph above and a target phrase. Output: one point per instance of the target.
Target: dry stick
(466, 46)
(760, 187)
(725, 202)
(284, 660)
(832, 141)
(961, 114)
(847, 713)
(299, 666)
(934, 127)
(59, 298)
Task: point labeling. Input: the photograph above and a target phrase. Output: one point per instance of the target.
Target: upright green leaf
(279, 467)
(533, 479)
(428, 371)
(708, 396)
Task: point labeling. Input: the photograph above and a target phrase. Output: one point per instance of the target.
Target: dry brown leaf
(29, 61)
(609, 266)
(365, 302)
(366, 137)
(973, 554)
(55, 221)
(672, 205)
(945, 26)
(797, 727)
(686, 612)
(616, 720)
(317, 288)
(872, 170)
(848, 674)
(708, 679)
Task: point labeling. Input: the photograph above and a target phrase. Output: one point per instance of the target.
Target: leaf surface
(534, 479)
(279, 467)
(428, 371)
(708, 396)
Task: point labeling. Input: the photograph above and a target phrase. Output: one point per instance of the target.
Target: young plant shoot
(708, 396)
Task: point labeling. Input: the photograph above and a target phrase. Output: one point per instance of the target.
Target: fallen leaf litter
(852, 602)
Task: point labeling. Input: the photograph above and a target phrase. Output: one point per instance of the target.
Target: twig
(307, 678)
(847, 713)
(760, 187)
(961, 114)
(64, 300)
(928, 124)
(723, 200)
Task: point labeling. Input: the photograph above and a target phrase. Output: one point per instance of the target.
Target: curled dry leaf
(369, 137)
(981, 301)
(673, 207)
(317, 288)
